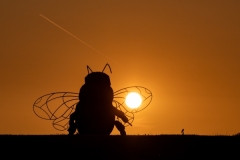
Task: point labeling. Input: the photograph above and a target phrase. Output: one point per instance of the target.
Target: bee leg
(121, 128)
(72, 125)
(72, 129)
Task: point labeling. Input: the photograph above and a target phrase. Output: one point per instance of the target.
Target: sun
(133, 100)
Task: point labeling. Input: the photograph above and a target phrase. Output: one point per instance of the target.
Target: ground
(128, 147)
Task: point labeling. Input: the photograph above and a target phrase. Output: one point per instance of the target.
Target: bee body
(95, 113)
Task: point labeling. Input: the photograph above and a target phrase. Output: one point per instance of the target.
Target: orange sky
(186, 52)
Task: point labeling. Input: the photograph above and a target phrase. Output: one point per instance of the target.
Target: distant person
(182, 131)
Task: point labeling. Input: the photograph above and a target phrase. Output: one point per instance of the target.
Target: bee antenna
(89, 69)
(108, 67)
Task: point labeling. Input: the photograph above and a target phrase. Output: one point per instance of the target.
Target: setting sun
(133, 100)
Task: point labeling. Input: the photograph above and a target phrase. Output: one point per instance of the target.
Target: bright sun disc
(133, 100)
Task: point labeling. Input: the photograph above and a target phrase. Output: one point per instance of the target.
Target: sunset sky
(186, 52)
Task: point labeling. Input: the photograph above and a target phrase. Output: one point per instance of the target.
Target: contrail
(75, 37)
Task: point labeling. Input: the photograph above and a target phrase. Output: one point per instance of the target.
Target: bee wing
(61, 123)
(120, 96)
(129, 115)
(56, 106)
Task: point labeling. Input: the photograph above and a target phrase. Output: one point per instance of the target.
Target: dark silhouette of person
(182, 131)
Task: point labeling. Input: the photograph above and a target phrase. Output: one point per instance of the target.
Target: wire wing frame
(58, 106)
(145, 94)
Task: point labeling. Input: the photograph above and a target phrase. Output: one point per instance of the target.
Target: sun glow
(133, 100)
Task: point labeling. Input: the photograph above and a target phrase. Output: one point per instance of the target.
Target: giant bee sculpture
(96, 109)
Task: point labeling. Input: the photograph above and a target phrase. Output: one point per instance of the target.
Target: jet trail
(75, 37)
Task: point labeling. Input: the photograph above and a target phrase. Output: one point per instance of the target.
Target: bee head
(98, 77)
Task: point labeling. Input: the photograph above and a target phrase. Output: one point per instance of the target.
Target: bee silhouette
(96, 109)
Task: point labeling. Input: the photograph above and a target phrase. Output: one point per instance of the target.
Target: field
(128, 147)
